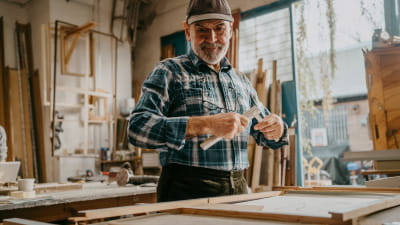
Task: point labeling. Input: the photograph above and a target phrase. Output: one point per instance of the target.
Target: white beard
(210, 57)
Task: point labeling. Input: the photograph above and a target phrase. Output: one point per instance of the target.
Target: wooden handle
(210, 142)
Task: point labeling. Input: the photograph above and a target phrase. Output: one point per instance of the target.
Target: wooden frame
(69, 37)
(69, 34)
(341, 207)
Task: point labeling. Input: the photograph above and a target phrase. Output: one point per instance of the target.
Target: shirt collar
(199, 63)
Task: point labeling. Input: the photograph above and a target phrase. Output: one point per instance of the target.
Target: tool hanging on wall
(58, 128)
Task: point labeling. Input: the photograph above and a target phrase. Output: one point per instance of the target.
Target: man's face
(209, 39)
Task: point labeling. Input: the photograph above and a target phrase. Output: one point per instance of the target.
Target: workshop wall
(78, 12)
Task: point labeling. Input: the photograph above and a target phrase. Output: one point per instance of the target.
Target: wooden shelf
(115, 161)
(82, 91)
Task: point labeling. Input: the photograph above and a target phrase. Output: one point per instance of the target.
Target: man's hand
(271, 126)
(226, 125)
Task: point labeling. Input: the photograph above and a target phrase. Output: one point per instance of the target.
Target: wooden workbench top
(89, 191)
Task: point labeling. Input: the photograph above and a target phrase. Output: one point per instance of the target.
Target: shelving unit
(82, 88)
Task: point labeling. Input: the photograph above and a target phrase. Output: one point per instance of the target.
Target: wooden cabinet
(383, 83)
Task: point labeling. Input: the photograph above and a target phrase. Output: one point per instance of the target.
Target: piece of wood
(185, 219)
(138, 209)
(14, 125)
(27, 120)
(390, 182)
(261, 83)
(39, 129)
(230, 207)
(18, 221)
(264, 216)
(244, 197)
(387, 172)
(256, 168)
(387, 165)
(277, 167)
(55, 187)
(270, 166)
(2, 78)
(372, 155)
(82, 29)
(364, 209)
(261, 88)
(291, 169)
(340, 189)
(273, 105)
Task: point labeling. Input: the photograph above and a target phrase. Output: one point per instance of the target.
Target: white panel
(268, 37)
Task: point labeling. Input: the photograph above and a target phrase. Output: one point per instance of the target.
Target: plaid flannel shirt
(185, 86)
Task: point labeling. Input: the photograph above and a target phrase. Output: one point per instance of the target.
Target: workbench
(58, 206)
(291, 206)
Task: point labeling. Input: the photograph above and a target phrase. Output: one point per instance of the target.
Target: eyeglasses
(208, 102)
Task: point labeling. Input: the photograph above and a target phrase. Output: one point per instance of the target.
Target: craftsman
(189, 98)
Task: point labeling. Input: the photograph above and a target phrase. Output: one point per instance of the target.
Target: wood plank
(372, 155)
(263, 216)
(261, 83)
(256, 168)
(138, 209)
(39, 129)
(387, 172)
(364, 209)
(186, 219)
(340, 189)
(291, 169)
(78, 30)
(2, 78)
(18, 221)
(14, 124)
(243, 197)
(229, 207)
(27, 124)
(391, 182)
(387, 165)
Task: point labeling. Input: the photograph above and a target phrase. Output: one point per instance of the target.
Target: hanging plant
(307, 80)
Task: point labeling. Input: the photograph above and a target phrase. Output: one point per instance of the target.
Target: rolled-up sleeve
(149, 124)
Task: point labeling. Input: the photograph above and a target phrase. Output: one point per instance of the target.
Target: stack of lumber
(270, 167)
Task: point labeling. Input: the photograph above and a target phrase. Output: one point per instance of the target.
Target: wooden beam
(243, 197)
(77, 31)
(138, 209)
(364, 209)
(264, 216)
(229, 207)
(372, 155)
(256, 169)
(71, 48)
(2, 78)
(18, 221)
(340, 189)
(386, 172)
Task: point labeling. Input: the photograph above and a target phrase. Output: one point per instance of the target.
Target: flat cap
(199, 10)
